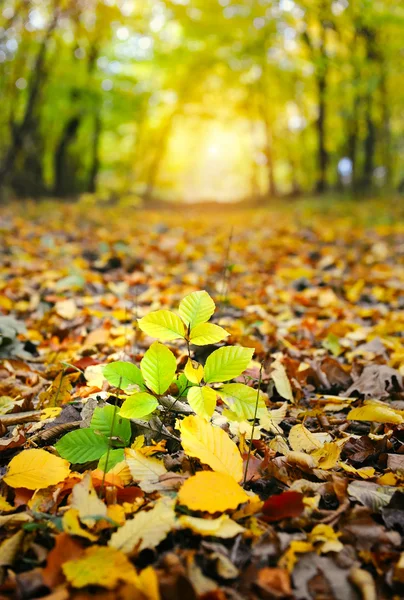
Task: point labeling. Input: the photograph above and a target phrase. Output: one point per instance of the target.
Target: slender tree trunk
(63, 178)
(322, 156)
(95, 159)
(21, 130)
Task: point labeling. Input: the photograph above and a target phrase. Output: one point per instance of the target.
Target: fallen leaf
(222, 527)
(283, 506)
(211, 445)
(100, 565)
(86, 501)
(36, 469)
(211, 492)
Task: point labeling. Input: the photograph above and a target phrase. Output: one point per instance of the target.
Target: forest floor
(317, 292)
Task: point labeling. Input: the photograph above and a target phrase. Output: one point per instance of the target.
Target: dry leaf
(222, 527)
(211, 492)
(86, 501)
(211, 445)
(144, 469)
(100, 565)
(36, 469)
(146, 529)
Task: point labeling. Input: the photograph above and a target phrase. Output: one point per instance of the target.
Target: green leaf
(158, 368)
(183, 384)
(82, 445)
(196, 308)
(202, 400)
(138, 406)
(163, 325)
(332, 344)
(207, 333)
(114, 457)
(242, 400)
(103, 419)
(226, 363)
(123, 374)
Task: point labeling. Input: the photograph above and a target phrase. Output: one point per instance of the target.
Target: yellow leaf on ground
(144, 469)
(5, 506)
(102, 566)
(146, 529)
(71, 525)
(66, 309)
(302, 440)
(211, 492)
(378, 413)
(327, 456)
(58, 392)
(289, 559)
(148, 584)
(86, 501)
(211, 445)
(281, 381)
(325, 539)
(36, 469)
(223, 527)
(363, 472)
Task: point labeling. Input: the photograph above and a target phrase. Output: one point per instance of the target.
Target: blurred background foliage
(199, 100)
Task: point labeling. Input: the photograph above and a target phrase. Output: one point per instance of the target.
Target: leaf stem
(253, 427)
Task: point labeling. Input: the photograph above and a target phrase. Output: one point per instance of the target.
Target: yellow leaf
(57, 393)
(36, 469)
(325, 539)
(163, 325)
(290, 558)
(281, 381)
(207, 333)
(146, 529)
(301, 439)
(223, 527)
(5, 506)
(102, 566)
(148, 584)
(363, 472)
(144, 469)
(193, 371)
(71, 525)
(271, 419)
(202, 400)
(378, 413)
(66, 309)
(86, 501)
(327, 456)
(211, 445)
(50, 413)
(211, 492)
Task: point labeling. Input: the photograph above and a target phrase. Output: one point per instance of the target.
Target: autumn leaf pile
(252, 447)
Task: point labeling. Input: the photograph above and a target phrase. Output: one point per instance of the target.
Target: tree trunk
(21, 130)
(64, 177)
(95, 159)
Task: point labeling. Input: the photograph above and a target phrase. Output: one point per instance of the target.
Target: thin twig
(110, 441)
(253, 427)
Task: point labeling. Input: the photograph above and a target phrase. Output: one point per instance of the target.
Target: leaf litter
(148, 453)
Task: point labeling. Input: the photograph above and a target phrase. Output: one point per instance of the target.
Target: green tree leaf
(158, 368)
(82, 445)
(163, 325)
(207, 333)
(196, 308)
(226, 363)
(123, 374)
(114, 457)
(242, 400)
(138, 406)
(202, 400)
(104, 421)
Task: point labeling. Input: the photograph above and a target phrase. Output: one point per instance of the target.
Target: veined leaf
(36, 469)
(226, 363)
(211, 492)
(378, 413)
(99, 565)
(281, 381)
(301, 439)
(196, 308)
(158, 368)
(211, 445)
(139, 405)
(146, 529)
(242, 400)
(202, 400)
(163, 325)
(207, 333)
(144, 469)
(105, 421)
(193, 371)
(82, 445)
(123, 374)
